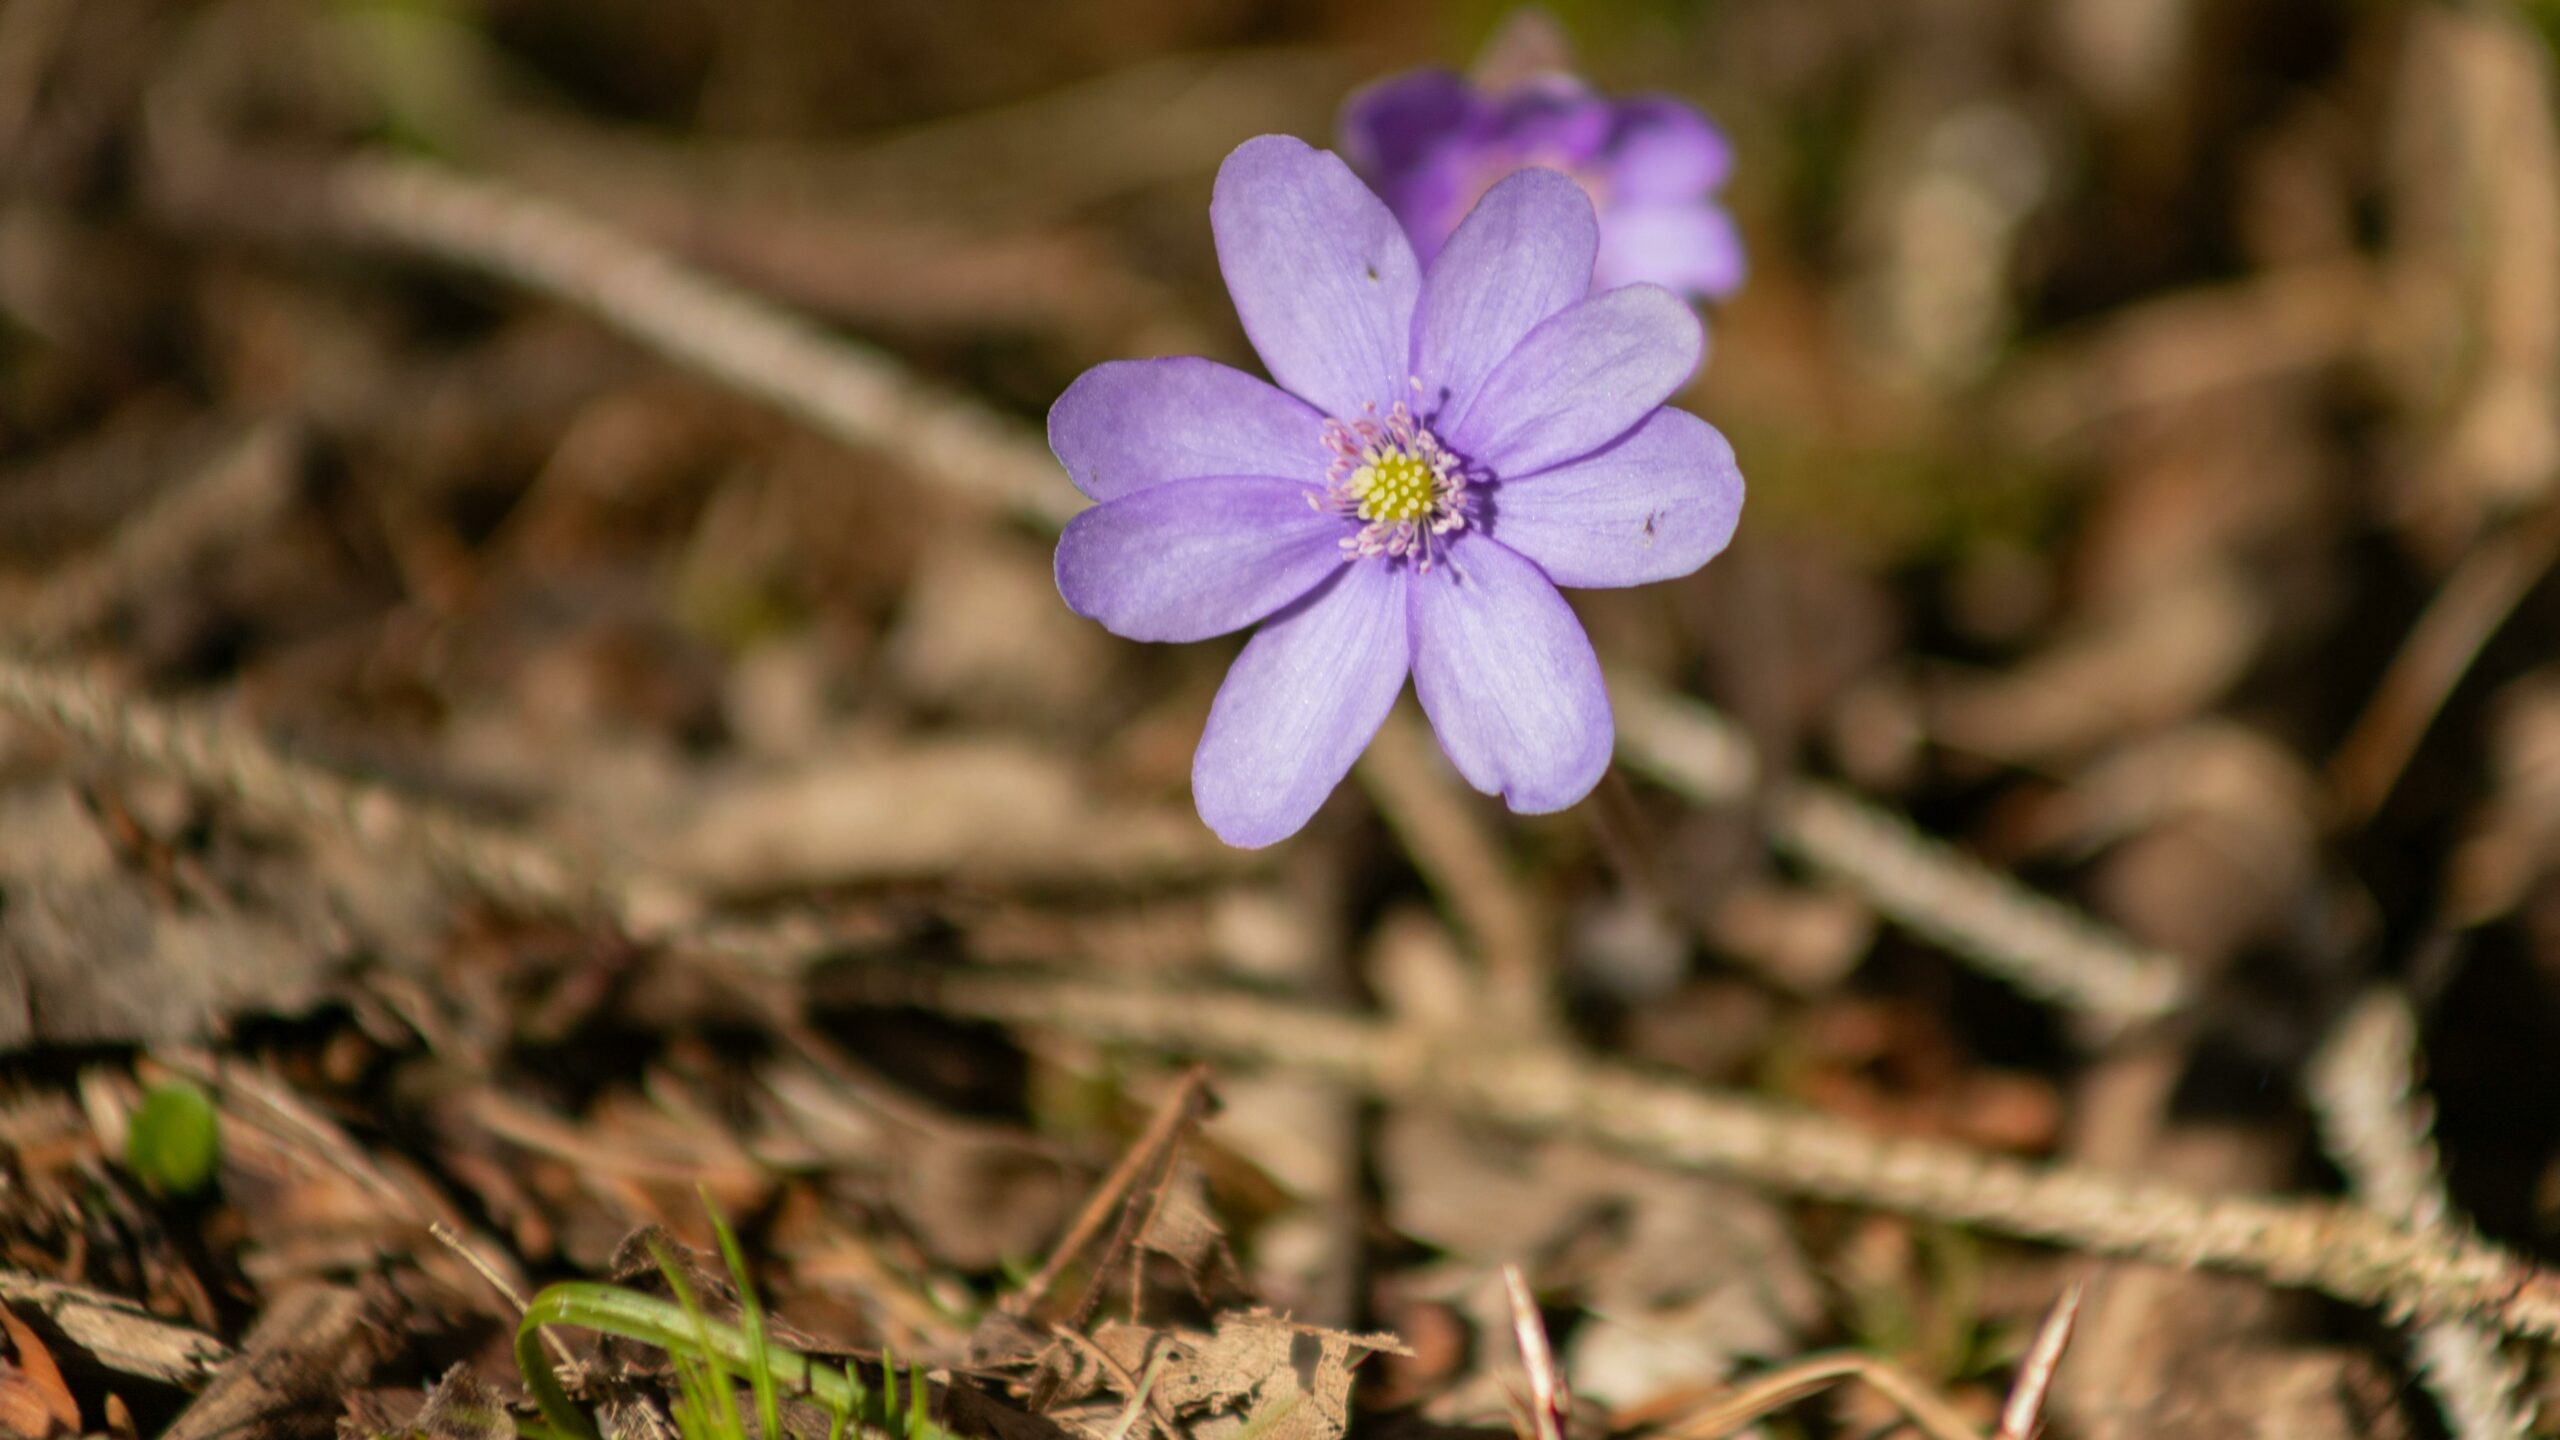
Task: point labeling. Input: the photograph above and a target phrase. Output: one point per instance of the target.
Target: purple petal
(1300, 705)
(1655, 505)
(1392, 125)
(1508, 678)
(1321, 273)
(1130, 424)
(1524, 253)
(1197, 558)
(1662, 149)
(1691, 248)
(1581, 379)
(1555, 120)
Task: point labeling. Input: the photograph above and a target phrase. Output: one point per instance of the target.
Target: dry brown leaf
(33, 1400)
(1245, 1378)
(1181, 1227)
(462, 1407)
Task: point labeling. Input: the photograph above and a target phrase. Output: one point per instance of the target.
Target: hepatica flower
(1442, 449)
(1430, 142)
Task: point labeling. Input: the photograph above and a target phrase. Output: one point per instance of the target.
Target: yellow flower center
(1390, 473)
(1395, 486)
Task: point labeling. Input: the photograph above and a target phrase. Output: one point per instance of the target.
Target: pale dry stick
(116, 1333)
(480, 1265)
(2342, 1251)
(1779, 1389)
(1550, 1401)
(1411, 786)
(1142, 1168)
(2023, 1415)
(1155, 122)
(2036, 943)
(857, 394)
(2469, 608)
(247, 485)
(217, 756)
(2362, 1086)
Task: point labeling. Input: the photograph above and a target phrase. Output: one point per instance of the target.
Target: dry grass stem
(2363, 1087)
(1550, 1402)
(215, 755)
(1781, 1388)
(2470, 606)
(857, 394)
(2343, 1251)
(247, 485)
(1141, 1171)
(2023, 1415)
(2036, 943)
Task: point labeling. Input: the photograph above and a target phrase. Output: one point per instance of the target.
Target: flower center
(1395, 486)
(1394, 476)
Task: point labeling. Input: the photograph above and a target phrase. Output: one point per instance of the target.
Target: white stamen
(1394, 475)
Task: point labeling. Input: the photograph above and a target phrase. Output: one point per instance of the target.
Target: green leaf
(175, 1141)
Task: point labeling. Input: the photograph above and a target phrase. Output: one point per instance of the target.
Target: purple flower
(1431, 143)
(1443, 449)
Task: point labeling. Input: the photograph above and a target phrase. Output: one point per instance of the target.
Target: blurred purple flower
(1430, 142)
(1442, 450)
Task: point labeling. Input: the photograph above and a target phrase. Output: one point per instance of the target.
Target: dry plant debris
(532, 685)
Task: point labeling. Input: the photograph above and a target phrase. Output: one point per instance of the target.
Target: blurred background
(2148, 409)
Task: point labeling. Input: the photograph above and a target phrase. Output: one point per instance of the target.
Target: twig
(2473, 602)
(2023, 1415)
(480, 1265)
(2346, 1253)
(2362, 1086)
(1550, 1401)
(1141, 1170)
(857, 394)
(219, 757)
(117, 1333)
(2036, 943)
(1406, 778)
(245, 487)
(2341, 1251)
(1780, 1388)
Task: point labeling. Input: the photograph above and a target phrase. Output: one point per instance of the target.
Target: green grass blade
(751, 1316)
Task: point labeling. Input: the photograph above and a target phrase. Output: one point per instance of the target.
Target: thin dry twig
(1550, 1401)
(2341, 1251)
(2038, 944)
(219, 757)
(246, 486)
(857, 394)
(1781, 1388)
(2466, 611)
(489, 1273)
(117, 1333)
(1141, 1171)
(2362, 1084)
(2024, 1413)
